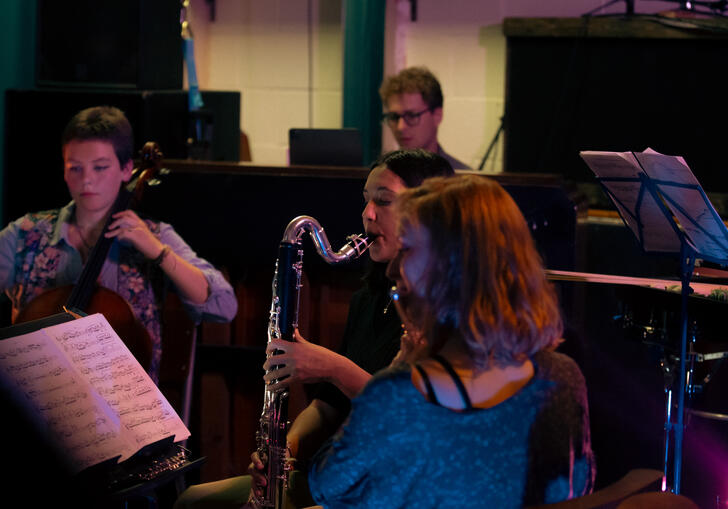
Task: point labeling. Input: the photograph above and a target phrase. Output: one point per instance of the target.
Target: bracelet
(159, 259)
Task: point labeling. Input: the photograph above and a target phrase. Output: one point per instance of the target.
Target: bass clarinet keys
(271, 435)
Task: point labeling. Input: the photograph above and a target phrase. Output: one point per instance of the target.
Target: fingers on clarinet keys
(255, 470)
(274, 368)
(271, 350)
(277, 379)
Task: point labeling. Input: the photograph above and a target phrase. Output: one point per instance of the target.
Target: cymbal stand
(690, 386)
(687, 265)
(668, 372)
(668, 365)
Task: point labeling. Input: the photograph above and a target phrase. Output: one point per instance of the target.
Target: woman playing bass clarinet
(371, 340)
(483, 412)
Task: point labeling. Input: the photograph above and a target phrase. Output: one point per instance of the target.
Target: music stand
(662, 202)
(82, 394)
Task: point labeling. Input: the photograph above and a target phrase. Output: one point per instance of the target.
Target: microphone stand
(492, 144)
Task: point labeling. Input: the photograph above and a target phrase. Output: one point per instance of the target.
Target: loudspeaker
(35, 120)
(113, 43)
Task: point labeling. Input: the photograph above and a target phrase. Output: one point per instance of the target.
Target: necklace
(389, 303)
(83, 239)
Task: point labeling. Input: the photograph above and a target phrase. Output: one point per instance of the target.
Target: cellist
(48, 249)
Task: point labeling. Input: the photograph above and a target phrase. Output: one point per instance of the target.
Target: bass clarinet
(271, 435)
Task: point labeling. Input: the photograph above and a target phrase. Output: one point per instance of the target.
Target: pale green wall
(17, 66)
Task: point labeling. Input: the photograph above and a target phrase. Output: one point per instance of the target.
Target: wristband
(159, 259)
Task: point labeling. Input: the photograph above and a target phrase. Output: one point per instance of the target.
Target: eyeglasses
(411, 118)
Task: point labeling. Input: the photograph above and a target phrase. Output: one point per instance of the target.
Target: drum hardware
(704, 357)
(693, 386)
(665, 327)
(690, 387)
(708, 415)
(653, 331)
(655, 323)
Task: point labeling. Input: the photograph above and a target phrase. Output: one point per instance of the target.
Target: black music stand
(662, 202)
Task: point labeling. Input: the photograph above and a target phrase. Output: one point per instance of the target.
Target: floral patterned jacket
(35, 255)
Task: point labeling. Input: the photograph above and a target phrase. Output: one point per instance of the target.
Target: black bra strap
(430, 392)
(459, 383)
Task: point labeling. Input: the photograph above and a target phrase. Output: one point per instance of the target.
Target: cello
(87, 295)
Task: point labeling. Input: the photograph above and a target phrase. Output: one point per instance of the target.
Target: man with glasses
(412, 102)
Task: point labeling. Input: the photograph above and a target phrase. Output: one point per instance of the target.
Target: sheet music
(89, 389)
(696, 215)
(648, 224)
(44, 376)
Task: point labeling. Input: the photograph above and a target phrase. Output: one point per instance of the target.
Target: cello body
(113, 306)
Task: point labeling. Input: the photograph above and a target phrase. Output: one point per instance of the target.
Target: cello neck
(149, 168)
(84, 288)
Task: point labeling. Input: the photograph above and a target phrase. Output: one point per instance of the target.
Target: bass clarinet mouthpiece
(357, 244)
(355, 247)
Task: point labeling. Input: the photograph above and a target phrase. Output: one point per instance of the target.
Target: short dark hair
(413, 166)
(102, 123)
(411, 81)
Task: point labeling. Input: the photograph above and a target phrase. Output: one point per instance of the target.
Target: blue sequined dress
(398, 450)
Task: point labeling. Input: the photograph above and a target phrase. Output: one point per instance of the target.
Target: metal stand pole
(492, 144)
(668, 373)
(687, 264)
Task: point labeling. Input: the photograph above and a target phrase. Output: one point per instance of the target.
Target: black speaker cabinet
(112, 43)
(35, 120)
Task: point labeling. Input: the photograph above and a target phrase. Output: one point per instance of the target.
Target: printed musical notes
(661, 201)
(89, 390)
